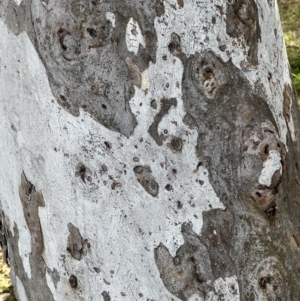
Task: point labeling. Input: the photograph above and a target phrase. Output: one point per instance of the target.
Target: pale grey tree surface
(149, 150)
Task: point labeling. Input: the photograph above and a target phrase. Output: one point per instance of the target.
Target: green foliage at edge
(290, 20)
(5, 283)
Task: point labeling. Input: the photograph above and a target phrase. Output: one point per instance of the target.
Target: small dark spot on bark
(81, 171)
(271, 211)
(97, 270)
(73, 281)
(264, 281)
(168, 187)
(92, 32)
(176, 144)
(180, 3)
(61, 32)
(176, 260)
(266, 149)
(153, 104)
(95, 90)
(62, 98)
(138, 169)
(103, 169)
(106, 296)
(107, 144)
(222, 48)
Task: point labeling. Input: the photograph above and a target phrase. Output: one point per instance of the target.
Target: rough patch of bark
(80, 46)
(242, 22)
(237, 135)
(189, 271)
(235, 147)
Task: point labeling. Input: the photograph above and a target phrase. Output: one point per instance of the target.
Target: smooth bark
(149, 151)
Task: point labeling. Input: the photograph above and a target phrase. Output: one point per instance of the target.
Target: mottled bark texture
(36, 287)
(70, 36)
(91, 66)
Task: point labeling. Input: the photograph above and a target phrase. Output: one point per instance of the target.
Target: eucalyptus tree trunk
(149, 150)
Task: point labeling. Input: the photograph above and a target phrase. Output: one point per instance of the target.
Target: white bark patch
(145, 85)
(228, 288)
(20, 289)
(11, 169)
(270, 166)
(18, 2)
(51, 286)
(111, 17)
(134, 36)
(24, 252)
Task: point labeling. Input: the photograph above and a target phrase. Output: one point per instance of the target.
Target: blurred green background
(290, 18)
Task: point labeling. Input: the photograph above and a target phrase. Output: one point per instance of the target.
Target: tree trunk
(149, 151)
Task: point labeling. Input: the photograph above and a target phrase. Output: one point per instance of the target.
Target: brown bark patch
(77, 245)
(146, 179)
(31, 201)
(236, 134)
(190, 270)
(242, 22)
(166, 105)
(180, 3)
(36, 287)
(287, 100)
